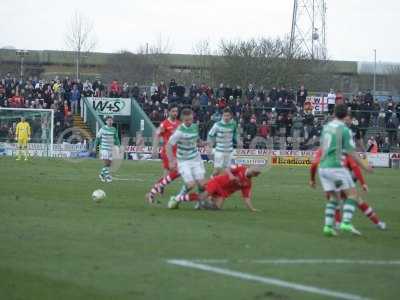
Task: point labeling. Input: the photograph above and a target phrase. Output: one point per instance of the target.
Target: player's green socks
(183, 190)
(349, 208)
(330, 208)
(105, 172)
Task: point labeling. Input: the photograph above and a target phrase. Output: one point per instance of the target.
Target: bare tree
(204, 61)
(264, 61)
(269, 62)
(202, 47)
(156, 54)
(80, 37)
(130, 67)
(159, 46)
(145, 65)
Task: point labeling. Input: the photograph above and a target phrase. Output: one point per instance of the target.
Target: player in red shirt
(351, 164)
(166, 129)
(222, 186)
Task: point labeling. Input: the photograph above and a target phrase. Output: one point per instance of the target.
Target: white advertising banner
(43, 150)
(378, 159)
(111, 106)
(241, 156)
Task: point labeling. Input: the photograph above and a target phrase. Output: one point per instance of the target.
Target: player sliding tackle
(22, 135)
(165, 131)
(107, 137)
(188, 161)
(238, 178)
(337, 142)
(224, 135)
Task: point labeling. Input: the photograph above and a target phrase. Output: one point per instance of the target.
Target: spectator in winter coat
(263, 131)
(172, 87)
(204, 100)
(386, 146)
(153, 89)
(135, 91)
(115, 89)
(301, 96)
(237, 92)
(75, 97)
(162, 88)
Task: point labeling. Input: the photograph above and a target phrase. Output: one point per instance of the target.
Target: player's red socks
(366, 210)
(369, 212)
(338, 215)
(158, 187)
(188, 197)
(164, 181)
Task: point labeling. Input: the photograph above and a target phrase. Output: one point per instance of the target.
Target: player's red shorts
(164, 157)
(214, 189)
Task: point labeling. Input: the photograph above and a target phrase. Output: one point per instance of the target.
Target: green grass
(56, 243)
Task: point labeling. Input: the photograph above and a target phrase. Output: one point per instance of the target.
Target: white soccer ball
(98, 195)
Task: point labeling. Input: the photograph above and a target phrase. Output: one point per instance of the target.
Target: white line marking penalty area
(265, 280)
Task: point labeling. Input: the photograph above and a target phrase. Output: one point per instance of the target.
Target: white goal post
(40, 120)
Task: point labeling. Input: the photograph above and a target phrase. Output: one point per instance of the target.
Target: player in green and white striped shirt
(223, 134)
(336, 143)
(188, 161)
(107, 137)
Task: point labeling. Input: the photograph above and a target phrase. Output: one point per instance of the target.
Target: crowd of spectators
(281, 113)
(61, 95)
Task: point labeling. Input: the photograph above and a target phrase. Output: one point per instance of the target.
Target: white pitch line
(266, 280)
(285, 261)
(326, 261)
(128, 179)
(211, 261)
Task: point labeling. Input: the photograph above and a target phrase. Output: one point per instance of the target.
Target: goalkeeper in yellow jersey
(22, 135)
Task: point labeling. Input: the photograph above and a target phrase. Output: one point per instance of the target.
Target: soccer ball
(98, 195)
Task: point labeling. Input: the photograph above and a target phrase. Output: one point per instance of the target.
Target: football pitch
(56, 243)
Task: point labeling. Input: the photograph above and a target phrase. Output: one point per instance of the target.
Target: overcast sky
(354, 27)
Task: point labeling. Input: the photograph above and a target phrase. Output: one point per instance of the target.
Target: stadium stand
(278, 112)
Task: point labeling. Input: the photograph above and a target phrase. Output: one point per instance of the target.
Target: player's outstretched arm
(210, 144)
(231, 176)
(359, 162)
(237, 137)
(249, 204)
(117, 142)
(350, 147)
(211, 138)
(313, 171)
(96, 143)
(170, 155)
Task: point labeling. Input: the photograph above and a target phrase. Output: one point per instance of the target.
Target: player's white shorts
(335, 179)
(105, 155)
(222, 160)
(191, 170)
